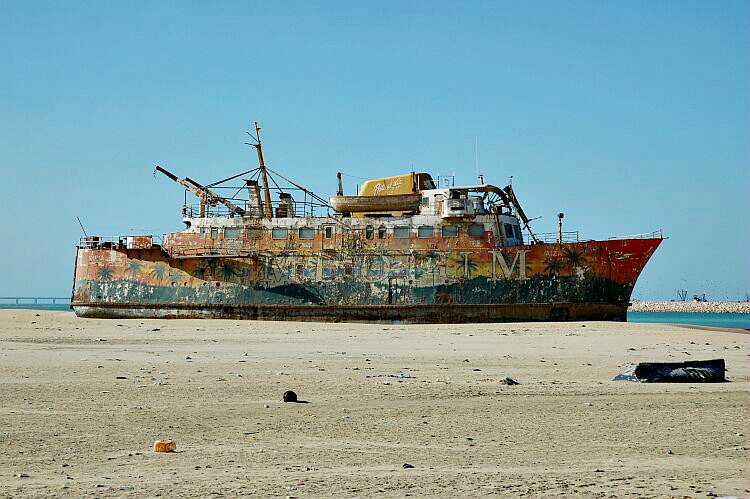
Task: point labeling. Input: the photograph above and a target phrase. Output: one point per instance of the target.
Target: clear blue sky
(627, 116)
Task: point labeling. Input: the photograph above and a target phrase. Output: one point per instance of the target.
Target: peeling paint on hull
(571, 281)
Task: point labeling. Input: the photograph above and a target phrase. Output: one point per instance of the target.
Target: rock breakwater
(705, 307)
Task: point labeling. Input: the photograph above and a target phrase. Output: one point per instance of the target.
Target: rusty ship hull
(403, 249)
(424, 281)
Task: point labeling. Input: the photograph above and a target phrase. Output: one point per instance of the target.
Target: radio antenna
(84, 230)
(476, 155)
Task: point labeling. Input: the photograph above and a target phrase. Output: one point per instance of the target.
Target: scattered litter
(386, 382)
(22, 475)
(406, 375)
(407, 466)
(266, 406)
(165, 446)
(693, 371)
(121, 377)
(101, 339)
(188, 358)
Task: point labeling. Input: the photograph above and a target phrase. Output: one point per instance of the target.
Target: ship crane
(511, 196)
(507, 197)
(205, 195)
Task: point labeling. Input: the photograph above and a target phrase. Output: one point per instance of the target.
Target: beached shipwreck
(407, 248)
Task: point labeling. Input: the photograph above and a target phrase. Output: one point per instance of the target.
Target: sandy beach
(82, 401)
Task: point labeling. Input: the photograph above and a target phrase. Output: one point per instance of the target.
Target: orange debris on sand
(165, 446)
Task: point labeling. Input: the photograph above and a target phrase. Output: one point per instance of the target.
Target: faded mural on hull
(599, 272)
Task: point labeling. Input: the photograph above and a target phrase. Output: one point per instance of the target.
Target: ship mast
(266, 190)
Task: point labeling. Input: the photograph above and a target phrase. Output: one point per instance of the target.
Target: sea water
(737, 321)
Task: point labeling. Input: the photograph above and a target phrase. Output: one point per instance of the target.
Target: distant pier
(36, 300)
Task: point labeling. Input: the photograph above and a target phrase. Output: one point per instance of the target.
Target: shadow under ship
(404, 249)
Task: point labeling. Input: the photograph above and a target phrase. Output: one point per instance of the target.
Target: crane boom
(206, 195)
(514, 200)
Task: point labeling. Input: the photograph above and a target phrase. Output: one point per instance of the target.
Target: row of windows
(399, 232)
(308, 233)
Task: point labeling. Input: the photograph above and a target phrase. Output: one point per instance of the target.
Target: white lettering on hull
(498, 260)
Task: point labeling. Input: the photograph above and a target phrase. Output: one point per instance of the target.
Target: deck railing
(297, 209)
(90, 242)
(573, 237)
(99, 241)
(552, 237)
(656, 234)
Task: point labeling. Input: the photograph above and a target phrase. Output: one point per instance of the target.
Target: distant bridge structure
(20, 300)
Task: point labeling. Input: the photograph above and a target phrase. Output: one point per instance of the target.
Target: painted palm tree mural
(574, 258)
(205, 269)
(135, 267)
(200, 271)
(159, 272)
(465, 265)
(425, 263)
(553, 266)
(105, 273)
(227, 271)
